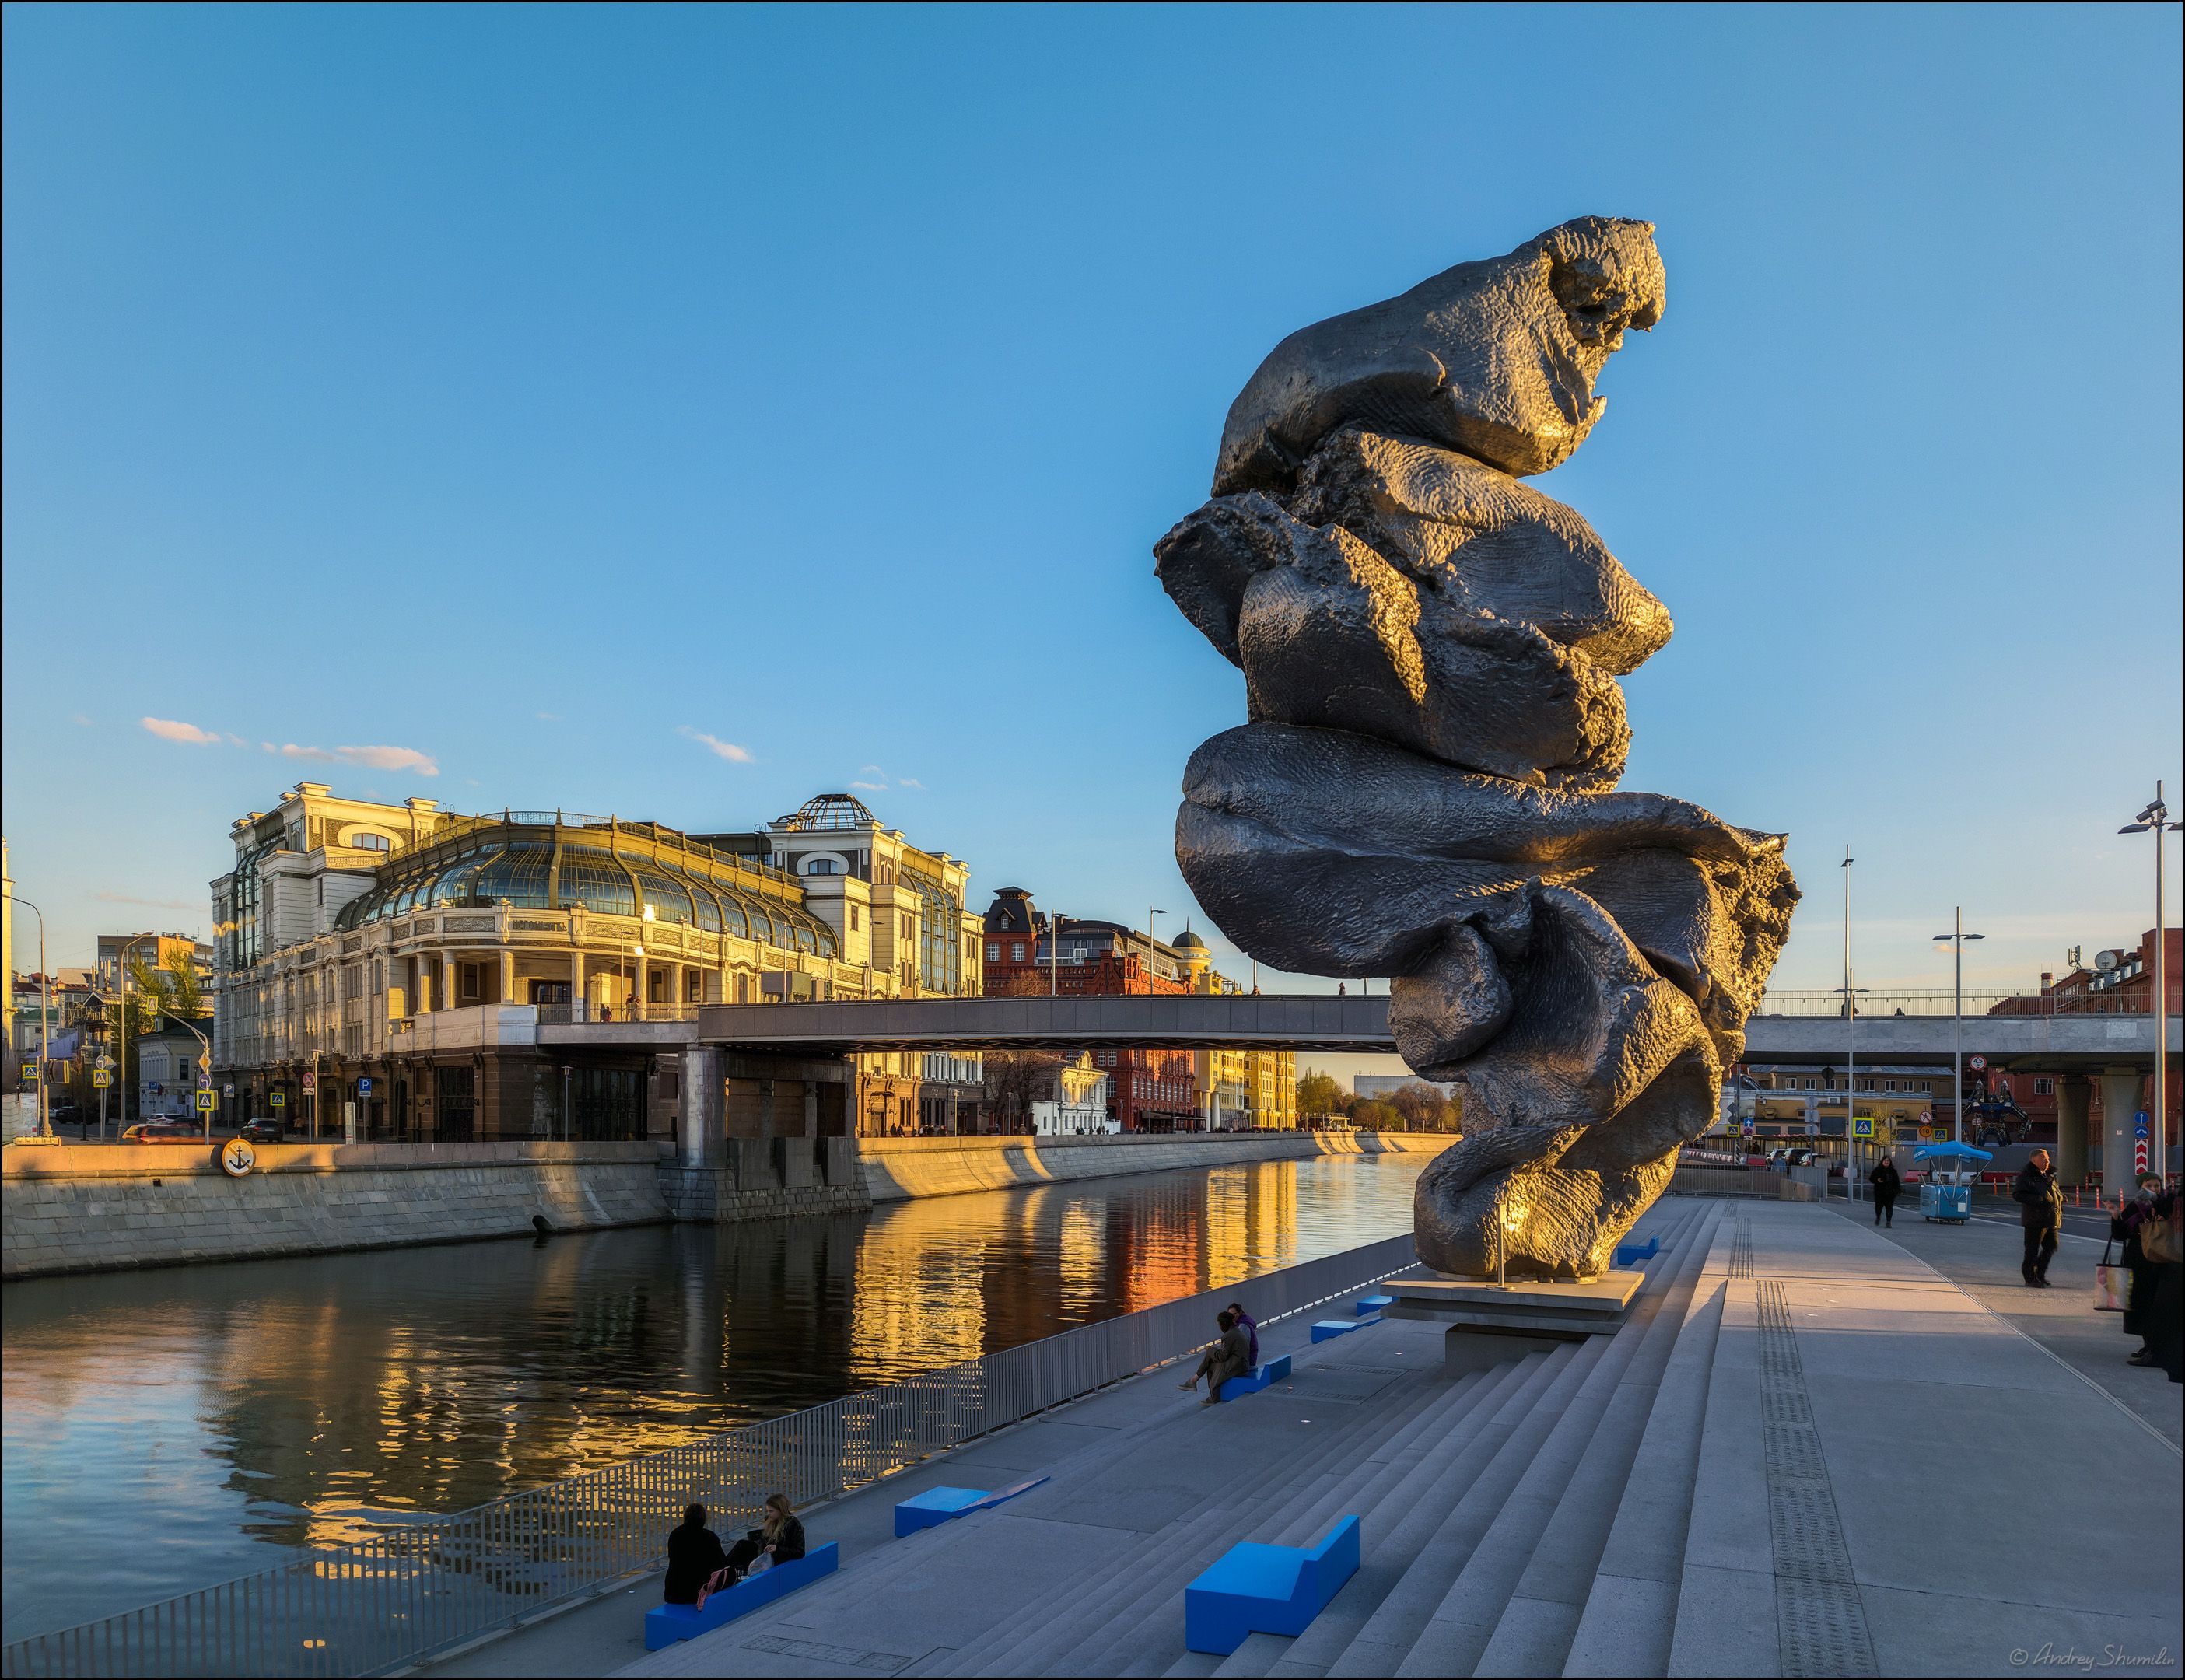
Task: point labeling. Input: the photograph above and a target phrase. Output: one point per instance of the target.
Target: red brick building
(1028, 951)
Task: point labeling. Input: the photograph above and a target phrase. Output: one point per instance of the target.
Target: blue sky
(539, 394)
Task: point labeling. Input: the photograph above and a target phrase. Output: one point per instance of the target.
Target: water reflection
(163, 1429)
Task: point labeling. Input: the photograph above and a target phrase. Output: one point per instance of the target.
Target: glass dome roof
(611, 873)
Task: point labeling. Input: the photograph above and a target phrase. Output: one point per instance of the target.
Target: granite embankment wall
(897, 1169)
(100, 1208)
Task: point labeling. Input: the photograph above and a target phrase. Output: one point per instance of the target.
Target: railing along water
(389, 1601)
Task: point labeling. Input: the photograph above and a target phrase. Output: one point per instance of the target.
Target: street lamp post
(45, 1023)
(1850, 1019)
(1958, 936)
(120, 1039)
(2155, 820)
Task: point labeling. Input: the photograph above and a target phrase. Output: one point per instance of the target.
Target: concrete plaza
(1813, 1449)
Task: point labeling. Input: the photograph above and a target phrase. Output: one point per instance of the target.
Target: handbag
(2158, 1239)
(2112, 1284)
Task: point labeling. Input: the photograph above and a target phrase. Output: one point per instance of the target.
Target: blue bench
(1253, 1589)
(1277, 1369)
(1630, 1254)
(1327, 1329)
(937, 1505)
(1375, 1304)
(664, 1624)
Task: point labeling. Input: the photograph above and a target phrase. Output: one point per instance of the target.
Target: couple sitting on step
(696, 1565)
(1236, 1352)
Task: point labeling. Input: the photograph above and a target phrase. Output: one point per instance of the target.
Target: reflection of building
(405, 956)
(1071, 1099)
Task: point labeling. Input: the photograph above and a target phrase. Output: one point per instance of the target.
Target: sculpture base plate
(1491, 1323)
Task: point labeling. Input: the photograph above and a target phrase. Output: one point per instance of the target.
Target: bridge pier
(750, 1142)
(2119, 1101)
(2074, 1099)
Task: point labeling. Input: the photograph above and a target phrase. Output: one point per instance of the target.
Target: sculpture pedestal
(1489, 1323)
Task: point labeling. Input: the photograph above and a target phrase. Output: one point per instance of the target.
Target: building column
(507, 976)
(2073, 1098)
(702, 1122)
(2120, 1101)
(446, 983)
(577, 983)
(637, 990)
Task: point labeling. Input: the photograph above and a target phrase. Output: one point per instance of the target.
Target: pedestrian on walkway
(2040, 1200)
(2139, 1294)
(1885, 1181)
(2164, 1245)
(1229, 1357)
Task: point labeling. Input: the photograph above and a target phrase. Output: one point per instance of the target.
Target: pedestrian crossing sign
(101, 1079)
(1863, 1126)
(207, 1101)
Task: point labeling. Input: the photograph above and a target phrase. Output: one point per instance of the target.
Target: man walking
(2041, 1211)
(1885, 1181)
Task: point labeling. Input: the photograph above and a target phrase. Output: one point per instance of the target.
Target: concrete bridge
(2058, 1043)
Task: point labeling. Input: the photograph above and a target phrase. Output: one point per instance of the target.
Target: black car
(265, 1130)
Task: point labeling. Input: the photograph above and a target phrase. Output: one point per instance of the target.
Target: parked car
(266, 1128)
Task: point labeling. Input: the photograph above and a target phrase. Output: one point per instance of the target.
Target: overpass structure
(1360, 1025)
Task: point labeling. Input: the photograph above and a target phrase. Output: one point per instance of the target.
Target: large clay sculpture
(1426, 789)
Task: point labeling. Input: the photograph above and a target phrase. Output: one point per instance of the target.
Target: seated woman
(1229, 1357)
(779, 1539)
(694, 1557)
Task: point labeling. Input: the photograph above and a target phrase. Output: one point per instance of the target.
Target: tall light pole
(1851, 1020)
(45, 1021)
(2155, 820)
(120, 1038)
(1958, 936)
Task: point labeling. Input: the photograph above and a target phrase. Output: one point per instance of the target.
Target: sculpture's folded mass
(1426, 789)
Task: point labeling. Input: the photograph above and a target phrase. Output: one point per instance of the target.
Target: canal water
(167, 1430)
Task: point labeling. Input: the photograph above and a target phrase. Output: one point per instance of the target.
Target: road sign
(1977, 1063)
(311, 1083)
(207, 1101)
(30, 1073)
(1863, 1126)
(364, 1086)
(228, 1091)
(2139, 1156)
(1926, 1134)
(279, 1099)
(237, 1157)
(101, 1078)
(204, 1063)
(104, 1063)
(1812, 1128)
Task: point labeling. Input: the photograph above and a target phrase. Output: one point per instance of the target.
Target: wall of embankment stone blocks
(101, 1207)
(899, 1169)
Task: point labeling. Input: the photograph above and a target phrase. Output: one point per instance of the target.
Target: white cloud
(83, 720)
(714, 745)
(548, 716)
(148, 903)
(169, 729)
(912, 782)
(373, 757)
(238, 740)
(871, 787)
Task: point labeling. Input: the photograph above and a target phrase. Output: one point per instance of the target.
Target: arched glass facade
(523, 868)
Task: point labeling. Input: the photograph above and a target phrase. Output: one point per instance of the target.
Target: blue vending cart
(1951, 1203)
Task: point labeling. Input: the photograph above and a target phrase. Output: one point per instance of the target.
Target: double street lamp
(1957, 937)
(2154, 820)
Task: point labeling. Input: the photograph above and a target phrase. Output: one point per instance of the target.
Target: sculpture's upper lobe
(1495, 359)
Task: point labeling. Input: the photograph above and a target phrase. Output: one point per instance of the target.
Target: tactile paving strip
(1740, 1251)
(1820, 1625)
(884, 1662)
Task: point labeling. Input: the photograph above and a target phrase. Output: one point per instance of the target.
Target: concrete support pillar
(2074, 1096)
(811, 1110)
(702, 1124)
(2120, 1101)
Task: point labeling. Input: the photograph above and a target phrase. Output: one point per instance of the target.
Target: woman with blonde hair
(779, 1539)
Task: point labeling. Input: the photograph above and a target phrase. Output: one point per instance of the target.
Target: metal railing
(1696, 1179)
(402, 1596)
(613, 1015)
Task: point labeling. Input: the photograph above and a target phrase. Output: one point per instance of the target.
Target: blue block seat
(1277, 1369)
(664, 1624)
(1252, 1588)
(1630, 1254)
(1327, 1329)
(937, 1505)
(1374, 1304)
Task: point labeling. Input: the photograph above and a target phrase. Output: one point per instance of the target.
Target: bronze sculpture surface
(1426, 789)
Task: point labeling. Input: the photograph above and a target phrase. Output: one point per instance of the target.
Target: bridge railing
(387, 1602)
(1876, 1005)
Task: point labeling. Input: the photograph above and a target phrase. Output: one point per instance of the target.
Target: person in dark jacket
(2041, 1213)
(1229, 1357)
(2139, 1297)
(1886, 1182)
(1251, 1329)
(694, 1553)
(780, 1538)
